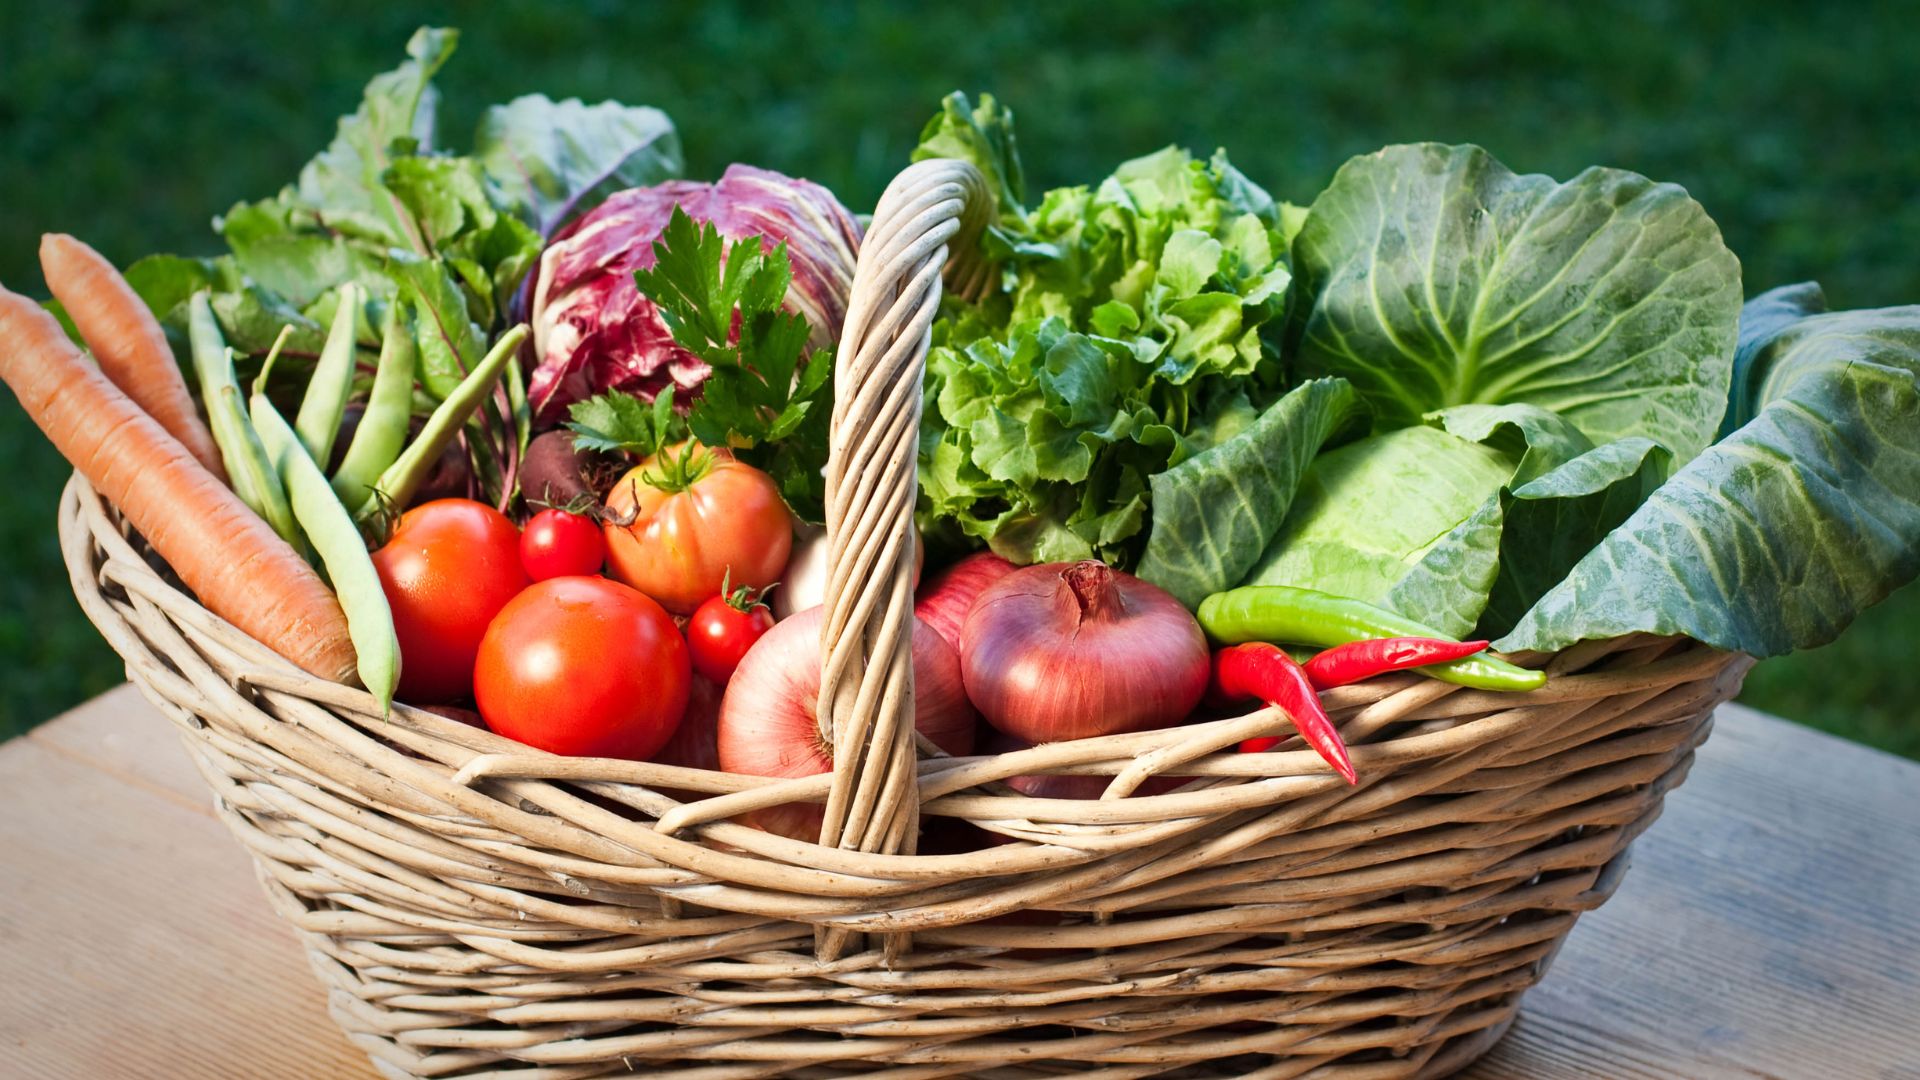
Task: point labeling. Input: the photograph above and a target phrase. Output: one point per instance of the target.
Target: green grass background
(132, 123)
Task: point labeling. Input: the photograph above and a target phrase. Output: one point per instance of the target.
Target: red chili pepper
(1357, 660)
(1259, 670)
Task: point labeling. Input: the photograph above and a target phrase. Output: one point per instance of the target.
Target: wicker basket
(475, 907)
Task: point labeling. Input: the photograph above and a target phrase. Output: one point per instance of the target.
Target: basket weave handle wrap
(866, 633)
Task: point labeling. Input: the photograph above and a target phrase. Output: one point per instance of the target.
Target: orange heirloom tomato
(689, 519)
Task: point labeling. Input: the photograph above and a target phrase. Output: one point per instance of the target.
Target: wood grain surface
(1770, 927)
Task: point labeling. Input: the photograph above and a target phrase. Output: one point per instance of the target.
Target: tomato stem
(745, 598)
(581, 505)
(678, 472)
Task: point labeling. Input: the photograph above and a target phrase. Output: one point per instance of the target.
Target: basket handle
(866, 630)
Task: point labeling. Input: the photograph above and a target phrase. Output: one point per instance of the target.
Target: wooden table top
(1769, 928)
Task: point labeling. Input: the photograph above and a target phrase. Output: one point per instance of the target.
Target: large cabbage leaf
(1215, 512)
(1431, 276)
(1776, 537)
(1549, 523)
(1564, 495)
(1407, 519)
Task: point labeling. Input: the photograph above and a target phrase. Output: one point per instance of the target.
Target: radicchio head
(593, 331)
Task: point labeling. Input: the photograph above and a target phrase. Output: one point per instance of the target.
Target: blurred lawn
(132, 123)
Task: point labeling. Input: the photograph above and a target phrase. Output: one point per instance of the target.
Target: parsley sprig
(769, 397)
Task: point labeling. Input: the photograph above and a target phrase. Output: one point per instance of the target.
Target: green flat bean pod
(404, 477)
(344, 554)
(248, 468)
(1286, 615)
(325, 402)
(382, 433)
(517, 404)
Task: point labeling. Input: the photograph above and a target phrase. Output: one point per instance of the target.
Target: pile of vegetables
(535, 435)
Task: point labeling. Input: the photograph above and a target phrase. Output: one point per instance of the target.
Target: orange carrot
(126, 339)
(229, 557)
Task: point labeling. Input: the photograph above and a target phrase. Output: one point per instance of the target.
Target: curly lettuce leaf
(983, 136)
(1031, 445)
(1776, 537)
(1215, 512)
(1431, 276)
(1122, 338)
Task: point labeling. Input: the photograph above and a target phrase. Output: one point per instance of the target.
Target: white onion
(768, 718)
(804, 584)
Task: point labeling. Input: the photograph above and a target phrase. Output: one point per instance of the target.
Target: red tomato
(557, 543)
(723, 629)
(583, 666)
(695, 518)
(450, 567)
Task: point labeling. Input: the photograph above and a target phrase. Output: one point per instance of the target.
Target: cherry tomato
(449, 568)
(584, 666)
(695, 518)
(723, 629)
(558, 543)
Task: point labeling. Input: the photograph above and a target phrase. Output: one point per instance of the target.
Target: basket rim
(952, 785)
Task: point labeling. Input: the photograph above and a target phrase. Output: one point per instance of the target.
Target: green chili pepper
(342, 551)
(318, 421)
(248, 468)
(1281, 613)
(404, 477)
(382, 433)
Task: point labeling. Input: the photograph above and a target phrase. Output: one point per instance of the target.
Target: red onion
(1073, 650)
(695, 743)
(767, 719)
(943, 602)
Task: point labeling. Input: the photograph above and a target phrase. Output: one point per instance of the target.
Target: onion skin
(1074, 650)
(696, 743)
(805, 583)
(767, 718)
(946, 598)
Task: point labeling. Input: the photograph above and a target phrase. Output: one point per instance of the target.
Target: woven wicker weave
(475, 907)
